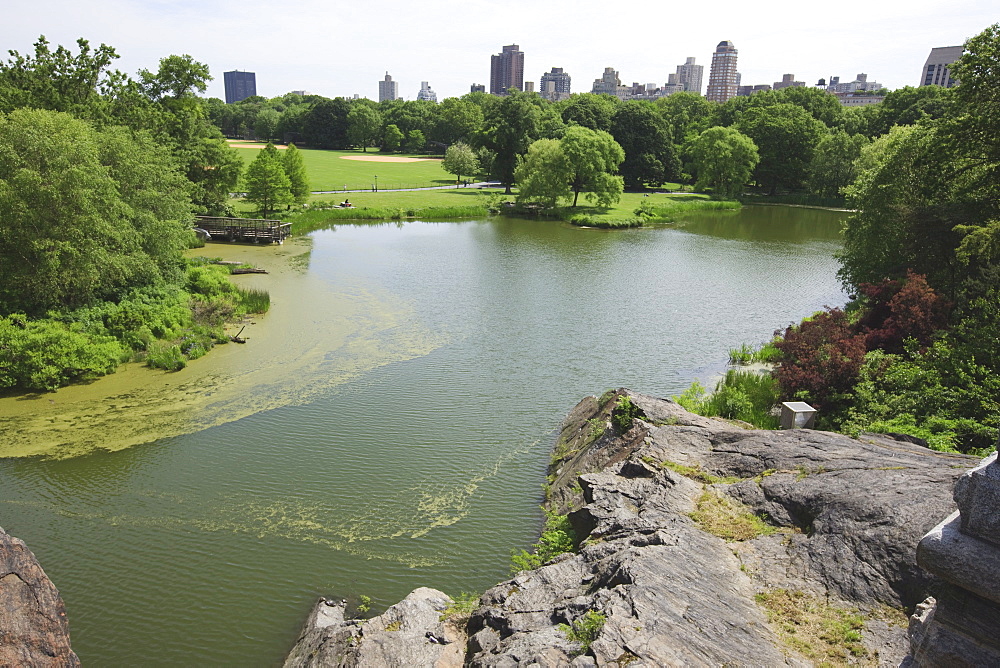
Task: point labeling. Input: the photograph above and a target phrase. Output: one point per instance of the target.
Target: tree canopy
(88, 214)
(724, 159)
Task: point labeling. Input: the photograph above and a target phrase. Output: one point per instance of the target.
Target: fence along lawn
(327, 170)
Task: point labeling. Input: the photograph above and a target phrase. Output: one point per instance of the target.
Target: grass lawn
(327, 170)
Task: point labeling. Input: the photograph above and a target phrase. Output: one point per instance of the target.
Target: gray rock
(850, 514)
(977, 494)
(34, 630)
(397, 637)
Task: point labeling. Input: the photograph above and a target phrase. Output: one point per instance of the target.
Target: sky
(336, 48)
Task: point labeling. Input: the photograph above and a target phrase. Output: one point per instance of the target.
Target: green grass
(827, 634)
(728, 519)
(327, 170)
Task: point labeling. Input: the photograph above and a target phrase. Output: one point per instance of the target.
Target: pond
(387, 425)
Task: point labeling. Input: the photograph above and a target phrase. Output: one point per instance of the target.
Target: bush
(740, 395)
(165, 355)
(624, 414)
(46, 354)
(585, 629)
(557, 538)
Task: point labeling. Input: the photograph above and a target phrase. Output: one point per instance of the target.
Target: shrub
(624, 413)
(46, 354)
(585, 629)
(165, 355)
(557, 538)
(740, 395)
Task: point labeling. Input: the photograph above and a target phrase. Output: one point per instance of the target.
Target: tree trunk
(576, 194)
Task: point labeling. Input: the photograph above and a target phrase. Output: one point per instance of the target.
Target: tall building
(507, 70)
(788, 81)
(610, 84)
(387, 89)
(689, 76)
(426, 93)
(937, 69)
(723, 79)
(477, 88)
(239, 85)
(560, 81)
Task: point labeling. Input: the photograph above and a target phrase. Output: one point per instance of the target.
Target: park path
(479, 184)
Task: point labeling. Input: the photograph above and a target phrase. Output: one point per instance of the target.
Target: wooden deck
(246, 230)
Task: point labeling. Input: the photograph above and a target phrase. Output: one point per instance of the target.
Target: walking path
(479, 184)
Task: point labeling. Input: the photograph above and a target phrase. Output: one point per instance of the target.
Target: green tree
(650, 156)
(458, 119)
(266, 125)
(295, 169)
(685, 114)
(834, 164)
(510, 130)
(594, 157)
(583, 160)
(325, 124)
(460, 159)
(822, 106)
(786, 136)
(724, 159)
(591, 111)
(87, 214)
(392, 138)
(415, 141)
(544, 174)
(267, 184)
(364, 124)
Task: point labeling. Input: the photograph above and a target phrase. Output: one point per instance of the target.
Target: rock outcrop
(843, 520)
(33, 626)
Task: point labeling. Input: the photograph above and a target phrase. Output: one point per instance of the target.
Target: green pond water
(387, 426)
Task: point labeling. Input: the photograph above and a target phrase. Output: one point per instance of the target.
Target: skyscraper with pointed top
(723, 79)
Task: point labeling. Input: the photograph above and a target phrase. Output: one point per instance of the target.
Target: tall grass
(314, 218)
(800, 199)
(253, 300)
(741, 395)
(747, 354)
(667, 212)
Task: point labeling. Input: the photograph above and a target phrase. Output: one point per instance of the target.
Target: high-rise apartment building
(426, 93)
(239, 85)
(788, 81)
(610, 84)
(387, 89)
(937, 69)
(723, 79)
(507, 70)
(477, 88)
(560, 81)
(689, 75)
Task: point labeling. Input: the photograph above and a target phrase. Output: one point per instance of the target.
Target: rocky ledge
(33, 626)
(667, 572)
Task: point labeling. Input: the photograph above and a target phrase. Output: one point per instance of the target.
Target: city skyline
(346, 50)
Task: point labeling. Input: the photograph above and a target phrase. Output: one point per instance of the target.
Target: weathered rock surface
(850, 512)
(33, 626)
(398, 637)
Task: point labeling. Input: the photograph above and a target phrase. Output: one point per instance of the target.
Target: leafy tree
(87, 214)
(583, 160)
(415, 141)
(591, 111)
(685, 114)
(177, 77)
(594, 157)
(786, 136)
(458, 119)
(822, 106)
(363, 125)
(543, 176)
(650, 156)
(392, 138)
(266, 125)
(906, 106)
(267, 184)
(295, 169)
(833, 165)
(724, 159)
(460, 159)
(511, 129)
(906, 215)
(325, 125)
